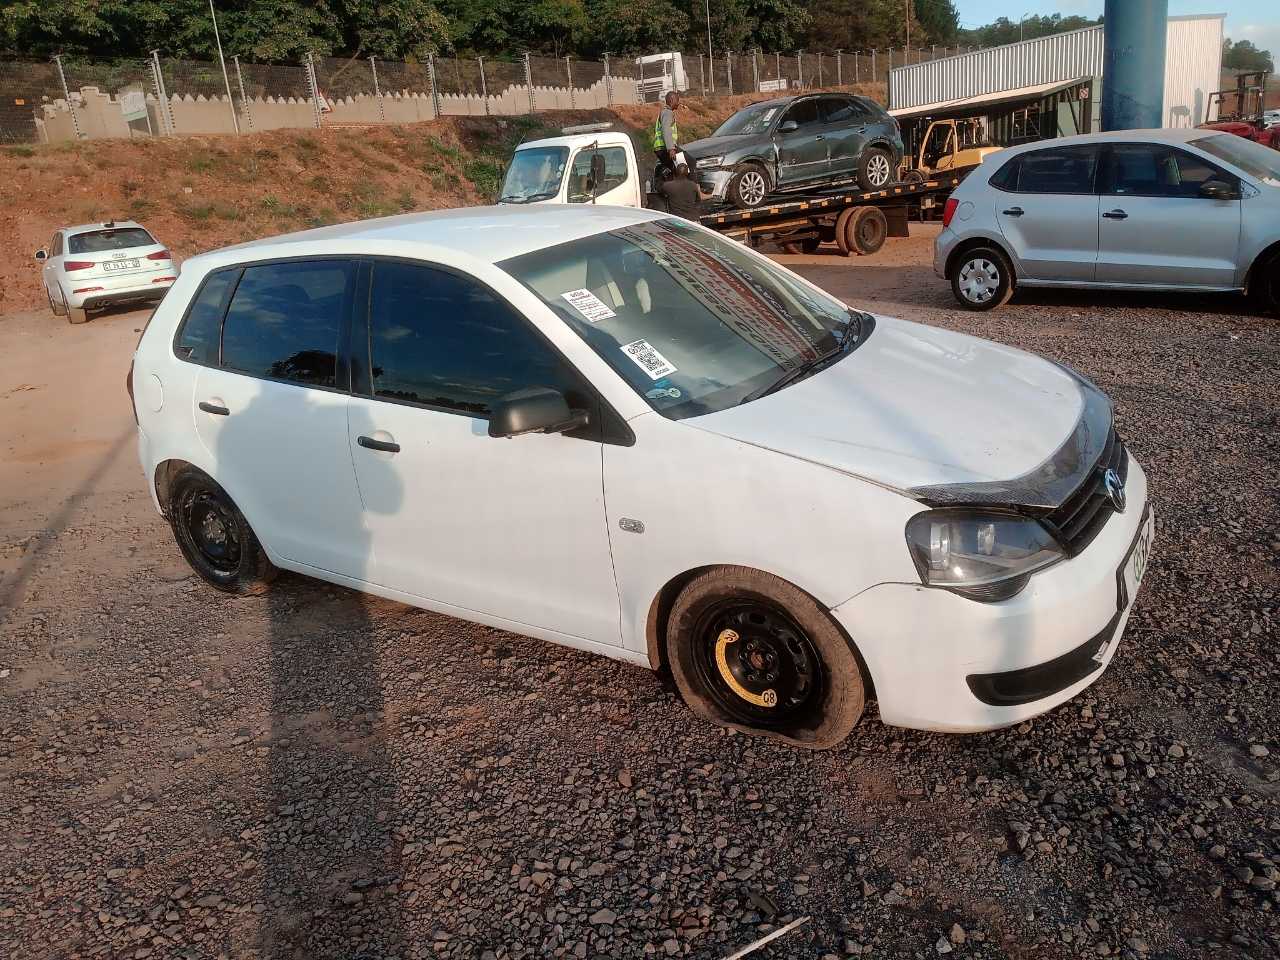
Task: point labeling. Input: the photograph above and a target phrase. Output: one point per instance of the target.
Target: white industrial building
(1031, 68)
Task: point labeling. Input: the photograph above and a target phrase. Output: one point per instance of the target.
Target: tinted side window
(285, 319)
(101, 241)
(442, 340)
(1006, 178)
(804, 113)
(198, 338)
(843, 110)
(1058, 170)
(1152, 170)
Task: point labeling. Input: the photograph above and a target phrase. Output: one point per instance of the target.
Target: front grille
(1083, 514)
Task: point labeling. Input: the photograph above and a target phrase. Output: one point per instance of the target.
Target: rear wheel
(749, 186)
(875, 170)
(752, 652)
(981, 278)
(866, 230)
(57, 306)
(214, 536)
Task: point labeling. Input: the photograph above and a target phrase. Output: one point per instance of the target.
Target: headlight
(706, 163)
(985, 556)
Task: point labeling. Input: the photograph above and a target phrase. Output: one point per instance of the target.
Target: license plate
(1135, 564)
(120, 265)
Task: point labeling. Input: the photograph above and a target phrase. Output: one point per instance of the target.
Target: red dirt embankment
(199, 193)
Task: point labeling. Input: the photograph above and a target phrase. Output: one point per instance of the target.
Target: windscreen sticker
(644, 356)
(768, 114)
(589, 305)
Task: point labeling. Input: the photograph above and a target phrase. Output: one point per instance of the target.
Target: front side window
(804, 114)
(284, 321)
(198, 337)
(1156, 170)
(692, 322)
(535, 174)
(104, 241)
(1251, 157)
(615, 173)
(444, 341)
(1056, 170)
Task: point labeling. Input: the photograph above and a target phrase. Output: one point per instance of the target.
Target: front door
(802, 152)
(1048, 211)
(271, 406)
(1156, 228)
(514, 527)
(613, 188)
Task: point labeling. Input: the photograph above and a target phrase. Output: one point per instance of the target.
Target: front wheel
(982, 279)
(749, 187)
(874, 170)
(215, 537)
(1264, 285)
(755, 653)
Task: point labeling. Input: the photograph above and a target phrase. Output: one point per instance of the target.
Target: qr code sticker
(647, 358)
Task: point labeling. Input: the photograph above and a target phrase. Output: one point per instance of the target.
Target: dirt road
(314, 773)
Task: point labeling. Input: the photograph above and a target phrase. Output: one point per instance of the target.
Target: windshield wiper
(850, 333)
(545, 195)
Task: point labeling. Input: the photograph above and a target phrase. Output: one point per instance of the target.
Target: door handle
(1013, 212)
(213, 408)
(821, 136)
(1116, 215)
(385, 446)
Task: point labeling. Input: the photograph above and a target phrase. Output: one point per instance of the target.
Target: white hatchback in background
(97, 265)
(622, 432)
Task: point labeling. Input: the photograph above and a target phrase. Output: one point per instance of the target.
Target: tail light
(949, 211)
(86, 290)
(164, 279)
(159, 255)
(69, 265)
(128, 385)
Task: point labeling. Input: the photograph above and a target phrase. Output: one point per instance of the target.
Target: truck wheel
(875, 169)
(981, 278)
(754, 653)
(913, 176)
(842, 231)
(865, 230)
(749, 186)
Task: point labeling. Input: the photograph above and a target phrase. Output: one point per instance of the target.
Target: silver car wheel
(979, 280)
(751, 187)
(878, 170)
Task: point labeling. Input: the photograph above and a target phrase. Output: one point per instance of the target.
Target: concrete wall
(98, 114)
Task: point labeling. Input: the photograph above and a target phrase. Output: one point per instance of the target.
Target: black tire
(749, 187)
(59, 309)
(913, 176)
(981, 278)
(754, 653)
(214, 536)
(842, 231)
(866, 230)
(875, 169)
(1264, 285)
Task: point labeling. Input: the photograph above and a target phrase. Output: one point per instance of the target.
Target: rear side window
(284, 321)
(198, 338)
(445, 341)
(1061, 170)
(844, 110)
(103, 241)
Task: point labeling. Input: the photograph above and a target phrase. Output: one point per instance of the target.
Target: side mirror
(41, 254)
(1218, 190)
(534, 410)
(788, 126)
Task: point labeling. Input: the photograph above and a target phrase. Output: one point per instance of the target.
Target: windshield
(748, 120)
(694, 323)
(1253, 158)
(534, 174)
(102, 241)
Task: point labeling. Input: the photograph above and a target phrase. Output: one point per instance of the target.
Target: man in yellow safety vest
(666, 136)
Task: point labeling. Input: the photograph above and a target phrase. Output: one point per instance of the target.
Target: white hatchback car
(623, 433)
(97, 265)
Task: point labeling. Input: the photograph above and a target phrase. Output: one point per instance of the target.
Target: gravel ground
(314, 773)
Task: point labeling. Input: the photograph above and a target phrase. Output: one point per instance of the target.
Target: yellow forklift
(947, 145)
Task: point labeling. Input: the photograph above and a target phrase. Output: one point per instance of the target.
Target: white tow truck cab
(589, 164)
(659, 74)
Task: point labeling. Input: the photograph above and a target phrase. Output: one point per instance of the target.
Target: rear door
(845, 123)
(1156, 228)
(1048, 211)
(270, 406)
(802, 152)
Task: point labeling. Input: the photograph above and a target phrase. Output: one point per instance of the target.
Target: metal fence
(78, 98)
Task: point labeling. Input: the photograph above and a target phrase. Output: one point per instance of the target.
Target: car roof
(606, 138)
(1172, 135)
(487, 234)
(106, 225)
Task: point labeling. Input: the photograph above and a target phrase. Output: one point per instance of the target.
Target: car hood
(939, 416)
(714, 146)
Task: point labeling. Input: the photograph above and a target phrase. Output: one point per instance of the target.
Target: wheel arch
(975, 242)
(1265, 257)
(660, 611)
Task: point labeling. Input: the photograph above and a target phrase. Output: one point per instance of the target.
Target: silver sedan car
(1182, 209)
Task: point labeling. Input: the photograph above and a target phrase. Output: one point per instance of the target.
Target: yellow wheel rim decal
(766, 699)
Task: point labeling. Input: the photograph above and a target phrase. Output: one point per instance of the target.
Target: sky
(1256, 20)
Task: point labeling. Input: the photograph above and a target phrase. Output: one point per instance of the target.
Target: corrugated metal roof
(988, 99)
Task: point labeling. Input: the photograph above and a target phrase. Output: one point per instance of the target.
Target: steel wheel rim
(777, 674)
(751, 187)
(979, 279)
(878, 170)
(211, 528)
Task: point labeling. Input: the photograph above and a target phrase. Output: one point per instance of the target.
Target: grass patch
(485, 175)
(307, 148)
(204, 212)
(140, 208)
(319, 184)
(20, 150)
(441, 149)
(444, 180)
(322, 217)
(405, 201)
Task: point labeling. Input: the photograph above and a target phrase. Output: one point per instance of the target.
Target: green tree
(1243, 55)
